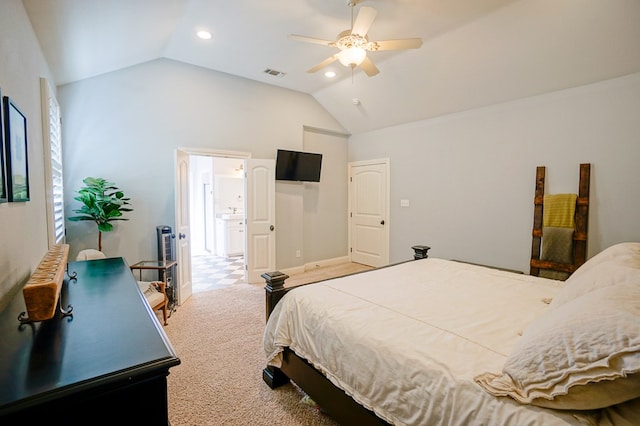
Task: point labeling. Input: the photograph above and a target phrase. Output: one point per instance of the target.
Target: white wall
(23, 226)
(326, 233)
(125, 126)
(470, 176)
(320, 233)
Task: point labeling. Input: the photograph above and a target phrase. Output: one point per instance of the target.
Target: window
(52, 140)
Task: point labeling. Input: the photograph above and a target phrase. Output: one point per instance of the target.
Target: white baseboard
(292, 271)
(326, 262)
(314, 265)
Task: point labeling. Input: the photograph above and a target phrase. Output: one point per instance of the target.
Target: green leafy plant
(102, 203)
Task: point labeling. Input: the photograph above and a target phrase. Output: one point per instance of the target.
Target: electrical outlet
(298, 253)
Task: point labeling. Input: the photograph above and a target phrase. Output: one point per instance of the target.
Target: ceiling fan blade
(406, 43)
(323, 64)
(310, 39)
(363, 21)
(368, 67)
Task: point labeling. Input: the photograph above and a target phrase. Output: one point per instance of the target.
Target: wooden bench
(42, 291)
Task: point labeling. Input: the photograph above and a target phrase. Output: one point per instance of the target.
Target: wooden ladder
(581, 223)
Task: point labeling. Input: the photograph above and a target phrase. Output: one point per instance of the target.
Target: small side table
(163, 266)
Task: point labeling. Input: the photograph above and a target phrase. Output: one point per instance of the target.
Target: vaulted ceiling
(474, 53)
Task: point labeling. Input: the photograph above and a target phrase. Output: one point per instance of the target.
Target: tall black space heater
(167, 251)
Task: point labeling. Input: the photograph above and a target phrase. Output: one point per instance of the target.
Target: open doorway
(259, 215)
(217, 219)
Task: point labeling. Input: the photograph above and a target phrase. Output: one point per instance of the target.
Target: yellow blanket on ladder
(559, 210)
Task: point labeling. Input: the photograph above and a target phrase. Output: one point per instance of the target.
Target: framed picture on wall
(16, 153)
(3, 175)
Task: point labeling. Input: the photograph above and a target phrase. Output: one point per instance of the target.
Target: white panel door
(183, 245)
(260, 213)
(369, 212)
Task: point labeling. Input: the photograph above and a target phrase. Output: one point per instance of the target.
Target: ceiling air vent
(274, 73)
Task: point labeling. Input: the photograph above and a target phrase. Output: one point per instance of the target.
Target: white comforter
(406, 341)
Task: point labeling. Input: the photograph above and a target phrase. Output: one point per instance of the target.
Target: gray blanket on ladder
(557, 246)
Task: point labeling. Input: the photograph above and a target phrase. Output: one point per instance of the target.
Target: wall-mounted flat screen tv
(298, 166)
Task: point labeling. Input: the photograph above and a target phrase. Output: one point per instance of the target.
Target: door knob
(382, 222)
(181, 236)
(271, 228)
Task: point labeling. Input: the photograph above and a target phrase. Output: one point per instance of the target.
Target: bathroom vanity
(230, 234)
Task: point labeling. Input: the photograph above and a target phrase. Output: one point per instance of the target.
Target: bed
(441, 342)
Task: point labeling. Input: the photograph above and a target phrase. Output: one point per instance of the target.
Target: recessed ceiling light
(330, 74)
(205, 35)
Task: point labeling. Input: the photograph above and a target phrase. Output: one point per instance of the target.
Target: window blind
(52, 137)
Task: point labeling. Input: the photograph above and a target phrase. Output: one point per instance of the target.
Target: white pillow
(584, 355)
(611, 252)
(617, 264)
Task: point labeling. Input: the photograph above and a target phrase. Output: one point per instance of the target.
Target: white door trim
(215, 152)
(183, 289)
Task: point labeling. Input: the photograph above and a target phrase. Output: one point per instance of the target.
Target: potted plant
(103, 203)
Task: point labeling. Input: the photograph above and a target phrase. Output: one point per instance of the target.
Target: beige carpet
(218, 337)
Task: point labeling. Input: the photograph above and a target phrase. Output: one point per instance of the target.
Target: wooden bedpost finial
(420, 252)
(275, 280)
(274, 290)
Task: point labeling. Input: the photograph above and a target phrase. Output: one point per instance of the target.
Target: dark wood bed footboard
(329, 397)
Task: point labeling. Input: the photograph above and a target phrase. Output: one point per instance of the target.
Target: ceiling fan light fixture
(354, 43)
(352, 56)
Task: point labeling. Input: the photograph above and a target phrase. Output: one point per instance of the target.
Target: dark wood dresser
(108, 361)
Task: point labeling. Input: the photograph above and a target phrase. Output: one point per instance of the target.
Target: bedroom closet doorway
(369, 212)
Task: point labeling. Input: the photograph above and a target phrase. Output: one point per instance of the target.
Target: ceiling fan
(354, 43)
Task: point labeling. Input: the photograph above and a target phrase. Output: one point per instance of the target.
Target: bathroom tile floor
(210, 272)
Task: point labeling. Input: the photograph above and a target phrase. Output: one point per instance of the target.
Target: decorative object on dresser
(42, 292)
